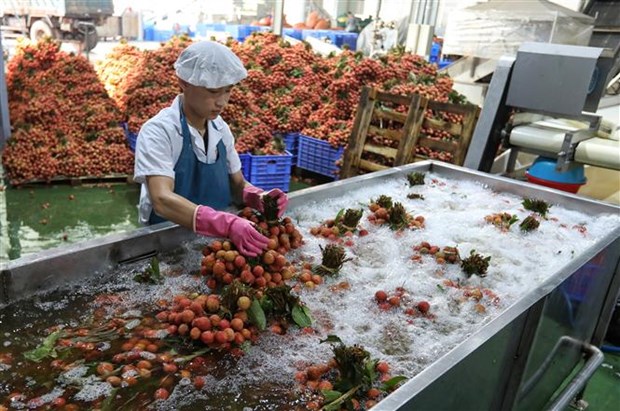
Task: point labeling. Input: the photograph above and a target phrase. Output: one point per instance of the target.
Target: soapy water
(454, 216)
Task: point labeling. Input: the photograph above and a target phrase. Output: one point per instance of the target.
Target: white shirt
(159, 146)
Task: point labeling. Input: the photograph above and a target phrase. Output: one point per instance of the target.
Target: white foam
(73, 376)
(454, 214)
(49, 397)
(92, 390)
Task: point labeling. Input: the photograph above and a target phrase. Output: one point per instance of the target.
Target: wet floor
(41, 217)
(37, 218)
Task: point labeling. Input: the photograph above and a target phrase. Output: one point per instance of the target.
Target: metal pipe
(418, 12)
(433, 13)
(278, 17)
(595, 358)
(429, 12)
(411, 16)
(5, 123)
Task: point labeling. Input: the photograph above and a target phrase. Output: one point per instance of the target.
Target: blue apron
(200, 183)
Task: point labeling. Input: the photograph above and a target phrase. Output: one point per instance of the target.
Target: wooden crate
(370, 109)
(402, 142)
(462, 132)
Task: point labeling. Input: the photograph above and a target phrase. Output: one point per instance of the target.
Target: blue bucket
(544, 169)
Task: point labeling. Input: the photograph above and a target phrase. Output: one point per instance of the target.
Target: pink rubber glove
(241, 232)
(253, 197)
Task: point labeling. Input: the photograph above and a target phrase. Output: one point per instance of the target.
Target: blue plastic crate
(246, 165)
(270, 164)
(271, 171)
(162, 35)
(444, 63)
(318, 156)
(148, 34)
(345, 38)
(311, 33)
(203, 28)
(271, 181)
(336, 37)
(291, 142)
(241, 31)
(294, 33)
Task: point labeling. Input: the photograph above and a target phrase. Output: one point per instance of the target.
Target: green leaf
(369, 369)
(513, 219)
(266, 304)
(332, 407)
(392, 383)
(331, 395)
(257, 316)
(155, 268)
(301, 315)
(45, 349)
(335, 404)
(307, 312)
(193, 355)
(107, 404)
(151, 275)
(331, 339)
(339, 216)
(245, 346)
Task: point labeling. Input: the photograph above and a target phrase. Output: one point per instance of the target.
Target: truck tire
(90, 40)
(40, 29)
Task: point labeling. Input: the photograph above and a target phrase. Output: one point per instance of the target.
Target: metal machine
(543, 102)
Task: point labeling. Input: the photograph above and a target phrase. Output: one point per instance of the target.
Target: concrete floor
(603, 390)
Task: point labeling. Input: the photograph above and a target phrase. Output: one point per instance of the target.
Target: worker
(351, 25)
(186, 159)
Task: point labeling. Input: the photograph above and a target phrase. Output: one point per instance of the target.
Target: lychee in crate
(318, 156)
(271, 171)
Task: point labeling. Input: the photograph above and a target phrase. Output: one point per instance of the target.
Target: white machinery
(543, 102)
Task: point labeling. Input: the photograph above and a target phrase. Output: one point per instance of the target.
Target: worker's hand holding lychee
(253, 197)
(242, 232)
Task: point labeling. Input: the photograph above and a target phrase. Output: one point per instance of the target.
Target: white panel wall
(446, 6)
(294, 11)
(390, 9)
(569, 4)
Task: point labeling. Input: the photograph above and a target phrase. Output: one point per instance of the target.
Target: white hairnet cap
(209, 64)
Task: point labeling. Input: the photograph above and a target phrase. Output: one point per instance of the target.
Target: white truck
(65, 20)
